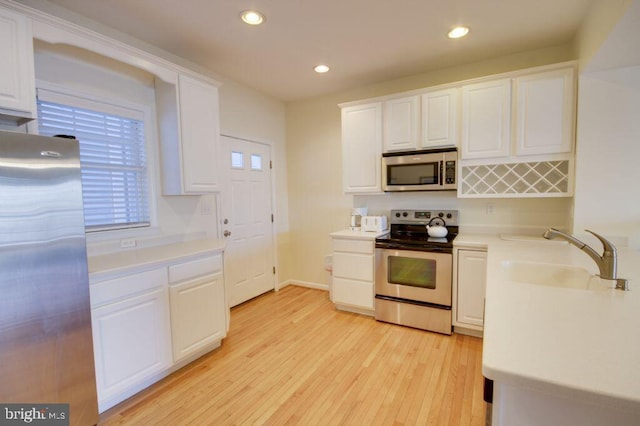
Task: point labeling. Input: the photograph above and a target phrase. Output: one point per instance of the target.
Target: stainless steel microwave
(432, 170)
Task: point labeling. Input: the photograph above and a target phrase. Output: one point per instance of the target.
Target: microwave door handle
(441, 171)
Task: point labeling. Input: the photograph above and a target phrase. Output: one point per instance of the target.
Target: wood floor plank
(292, 359)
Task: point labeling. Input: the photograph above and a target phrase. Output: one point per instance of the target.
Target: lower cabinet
(131, 335)
(198, 318)
(148, 324)
(353, 274)
(469, 289)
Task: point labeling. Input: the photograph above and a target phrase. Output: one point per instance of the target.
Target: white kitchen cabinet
(469, 289)
(545, 112)
(353, 274)
(198, 307)
(188, 118)
(131, 334)
(17, 77)
(362, 148)
(486, 119)
(439, 114)
(401, 121)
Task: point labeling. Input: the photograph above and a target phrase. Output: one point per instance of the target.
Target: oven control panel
(450, 217)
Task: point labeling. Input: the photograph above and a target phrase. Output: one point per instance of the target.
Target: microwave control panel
(450, 172)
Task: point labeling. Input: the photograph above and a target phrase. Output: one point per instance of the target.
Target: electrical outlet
(128, 242)
(490, 208)
(206, 208)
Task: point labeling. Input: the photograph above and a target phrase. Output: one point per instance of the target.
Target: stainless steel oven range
(413, 280)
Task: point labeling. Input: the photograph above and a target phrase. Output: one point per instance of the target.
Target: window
(115, 187)
(256, 162)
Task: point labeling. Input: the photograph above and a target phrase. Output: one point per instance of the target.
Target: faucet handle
(608, 245)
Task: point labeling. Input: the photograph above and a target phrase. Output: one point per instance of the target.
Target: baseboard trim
(299, 283)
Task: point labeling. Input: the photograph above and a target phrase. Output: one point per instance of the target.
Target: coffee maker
(356, 217)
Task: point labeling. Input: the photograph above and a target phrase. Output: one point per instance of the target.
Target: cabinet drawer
(353, 246)
(353, 266)
(195, 268)
(120, 288)
(354, 293)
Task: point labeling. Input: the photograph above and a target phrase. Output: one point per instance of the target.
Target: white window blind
(115, 187)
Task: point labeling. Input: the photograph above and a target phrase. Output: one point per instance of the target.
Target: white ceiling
(363, 41)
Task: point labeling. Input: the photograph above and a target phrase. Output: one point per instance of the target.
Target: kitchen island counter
(565, 355)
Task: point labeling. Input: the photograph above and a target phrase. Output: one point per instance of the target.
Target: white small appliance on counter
(374, 223)
(357, 214)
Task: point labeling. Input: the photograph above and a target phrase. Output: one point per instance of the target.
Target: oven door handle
(391, 246)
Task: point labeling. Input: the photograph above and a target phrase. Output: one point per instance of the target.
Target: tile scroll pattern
(546, 177)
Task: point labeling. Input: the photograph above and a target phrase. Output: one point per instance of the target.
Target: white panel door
(401, 118)
(246, 219)
(472, 277)
(362, 148)
(17, 81)
(545, 104)
(486, 119)
(200, 129)
(440, 118)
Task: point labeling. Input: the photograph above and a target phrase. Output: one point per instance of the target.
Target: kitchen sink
(553, 275)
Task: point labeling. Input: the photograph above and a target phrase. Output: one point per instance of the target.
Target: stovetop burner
(408, 230)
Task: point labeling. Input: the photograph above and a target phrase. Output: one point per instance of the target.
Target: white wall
(607, 198)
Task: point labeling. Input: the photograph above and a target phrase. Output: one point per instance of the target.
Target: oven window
(412, 271)
(413, 174)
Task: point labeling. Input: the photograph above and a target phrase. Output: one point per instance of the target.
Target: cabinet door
(197, 314)
(545, 113)
(200, 135)
(17, 80)
(486, 112)
(440, 118)
(472, 276)
(401, 124)
(362, 148)
(131, 341)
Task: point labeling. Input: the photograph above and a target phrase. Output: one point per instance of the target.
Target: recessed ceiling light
(252, 17)
(321, 69)
(458, 32)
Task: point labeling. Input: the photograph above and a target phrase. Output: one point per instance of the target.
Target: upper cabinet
(514, 132)
(189, 135)
(17, 78)
(440, 118)
(401, 123)
(423, 121)
(362, 147)
(544, 113)
(486, 119)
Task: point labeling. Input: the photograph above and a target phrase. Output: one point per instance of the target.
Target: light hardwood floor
(292, 358)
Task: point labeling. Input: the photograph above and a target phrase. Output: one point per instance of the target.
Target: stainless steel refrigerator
(46, 348)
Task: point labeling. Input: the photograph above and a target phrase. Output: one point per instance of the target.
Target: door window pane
(237, 160)
(256, 162)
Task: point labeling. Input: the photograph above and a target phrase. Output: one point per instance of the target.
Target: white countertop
(566, 342)
(358, 235)
(145, 258)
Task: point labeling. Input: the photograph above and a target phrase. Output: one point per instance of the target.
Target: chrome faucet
(607, 263)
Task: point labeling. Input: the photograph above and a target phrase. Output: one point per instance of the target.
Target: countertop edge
(112, 265)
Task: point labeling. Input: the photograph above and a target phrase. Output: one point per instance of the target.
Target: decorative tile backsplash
(546, 177)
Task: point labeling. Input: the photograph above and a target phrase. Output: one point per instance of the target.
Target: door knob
(227, 233)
